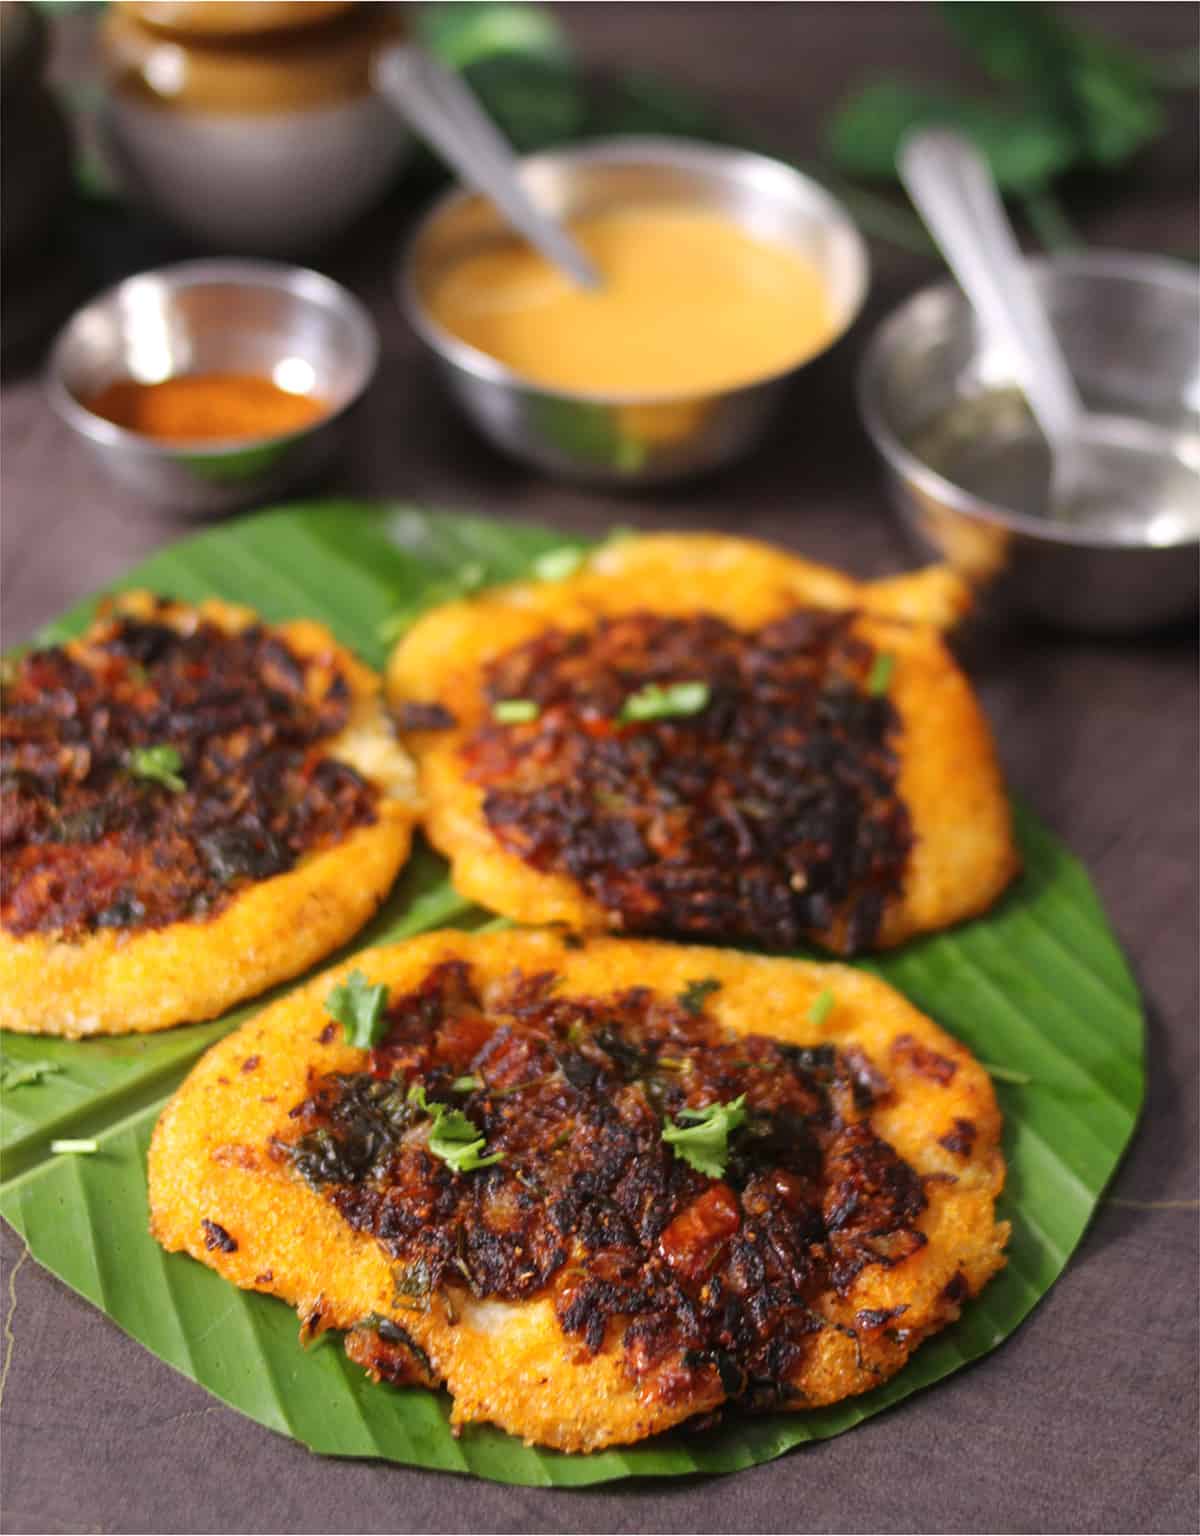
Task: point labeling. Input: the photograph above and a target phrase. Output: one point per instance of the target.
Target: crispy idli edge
(510, 1363)
(124, 983)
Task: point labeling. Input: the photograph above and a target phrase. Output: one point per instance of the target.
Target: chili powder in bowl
(214, 384)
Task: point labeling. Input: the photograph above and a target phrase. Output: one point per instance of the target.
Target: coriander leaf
(416, 1095)
(696, 994)
(81, 1147)
(558, 564)
(452, 1137)
(1024, 149)
(1006, 1074)
(460, 1147)
(467, 1084)
(514, 711)
(881, 673)
(665, 703)
(704, 1144)
(359, 1009)
(17, 1074)
(821, 1007)
(160, 764)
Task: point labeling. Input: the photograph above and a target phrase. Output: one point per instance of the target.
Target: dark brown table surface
(1086, 1420)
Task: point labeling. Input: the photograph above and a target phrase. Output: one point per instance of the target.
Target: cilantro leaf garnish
(514, 711)
(452, 1137)
(881, 673)
(161, 765)
(360, 1009)
(467, 1083)
(15, 1074)
(675, 700)
(696, 993)
(821, 1007)
(704, 1144)
(558, 564)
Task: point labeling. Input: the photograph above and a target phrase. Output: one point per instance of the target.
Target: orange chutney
(199, 406)
(692, 303)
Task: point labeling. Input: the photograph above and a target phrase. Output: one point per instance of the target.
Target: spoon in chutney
(1105, 471)
(442, 108)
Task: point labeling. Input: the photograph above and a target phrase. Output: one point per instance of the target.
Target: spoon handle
(444, 111)
(952, 188)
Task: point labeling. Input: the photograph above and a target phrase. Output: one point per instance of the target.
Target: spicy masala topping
(681, 1192)
(702, 781)
(148, 774)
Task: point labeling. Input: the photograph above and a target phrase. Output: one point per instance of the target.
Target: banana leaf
(1038, 989)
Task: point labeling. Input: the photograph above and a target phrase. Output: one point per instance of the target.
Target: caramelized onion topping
(91, 842)
(762, 817)
(687, 1274)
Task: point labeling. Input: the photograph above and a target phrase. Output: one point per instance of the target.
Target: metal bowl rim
(247, 272)
(1151, 270)
(636, 149)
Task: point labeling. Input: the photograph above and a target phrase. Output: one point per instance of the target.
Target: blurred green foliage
(1061, 97)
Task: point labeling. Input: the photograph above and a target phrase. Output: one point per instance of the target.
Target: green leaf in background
(1072, 98)
(1038, 987)
(1095, 90)
(462, 32)
(1024, 151)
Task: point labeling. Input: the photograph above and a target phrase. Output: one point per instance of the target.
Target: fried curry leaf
(360, 1009)
(655, 702)
(160, 765)
(452, 1137)
(704, 1142)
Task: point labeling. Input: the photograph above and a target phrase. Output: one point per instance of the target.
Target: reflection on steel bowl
(278, 323)
(968, 471)
(628, 439)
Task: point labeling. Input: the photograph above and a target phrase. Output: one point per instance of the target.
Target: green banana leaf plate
(1038, 989)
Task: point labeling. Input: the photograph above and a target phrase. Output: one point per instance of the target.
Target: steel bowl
(632, 440)
(932, 384)
(280, 322)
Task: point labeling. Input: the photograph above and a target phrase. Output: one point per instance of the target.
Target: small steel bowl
(1130, 328)
(631, 440)
(280, 322)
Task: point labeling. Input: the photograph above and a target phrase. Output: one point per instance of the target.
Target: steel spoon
(442, 108)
